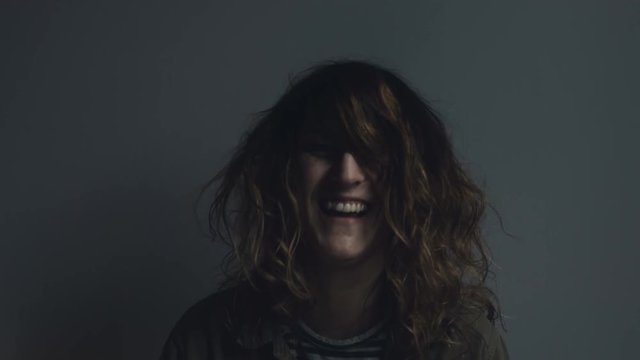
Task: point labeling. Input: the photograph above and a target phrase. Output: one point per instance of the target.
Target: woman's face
(339, 203)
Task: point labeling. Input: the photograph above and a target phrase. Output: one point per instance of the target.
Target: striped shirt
(309, 345)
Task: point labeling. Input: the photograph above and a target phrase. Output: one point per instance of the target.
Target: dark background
(114, 113)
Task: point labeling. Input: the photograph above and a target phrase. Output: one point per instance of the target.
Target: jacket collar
(267, 332)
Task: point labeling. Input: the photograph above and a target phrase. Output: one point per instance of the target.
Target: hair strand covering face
(437, 261)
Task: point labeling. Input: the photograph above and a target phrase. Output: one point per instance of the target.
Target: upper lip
(347, 199)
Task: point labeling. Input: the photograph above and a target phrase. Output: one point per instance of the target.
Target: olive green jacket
(205, 333)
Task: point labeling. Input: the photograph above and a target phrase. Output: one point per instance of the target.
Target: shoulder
(476, 337)
(206, 313)
(203, 329)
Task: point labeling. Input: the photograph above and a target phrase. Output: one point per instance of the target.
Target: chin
(343, 250)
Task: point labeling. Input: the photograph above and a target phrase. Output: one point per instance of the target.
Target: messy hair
(437, 262)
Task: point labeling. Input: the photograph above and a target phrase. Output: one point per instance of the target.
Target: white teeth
(346, 207)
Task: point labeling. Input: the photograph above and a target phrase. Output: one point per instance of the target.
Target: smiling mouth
(349, 208)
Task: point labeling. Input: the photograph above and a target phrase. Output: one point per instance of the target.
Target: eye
(320, 150)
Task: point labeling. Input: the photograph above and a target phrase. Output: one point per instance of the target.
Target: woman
(355, 233)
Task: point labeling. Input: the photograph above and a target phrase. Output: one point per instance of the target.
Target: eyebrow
(318, 136)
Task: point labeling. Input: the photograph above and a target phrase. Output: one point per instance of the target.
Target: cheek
(312, 171)
(312, 181)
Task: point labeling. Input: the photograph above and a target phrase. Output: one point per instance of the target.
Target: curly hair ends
(437, 263)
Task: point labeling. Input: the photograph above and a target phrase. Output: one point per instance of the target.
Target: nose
(349, 172)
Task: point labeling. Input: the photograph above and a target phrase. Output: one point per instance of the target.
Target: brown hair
(437, 263)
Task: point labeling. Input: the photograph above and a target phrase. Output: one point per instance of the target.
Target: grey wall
(113, 113)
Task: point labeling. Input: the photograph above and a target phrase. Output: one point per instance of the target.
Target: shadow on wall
(102, 270)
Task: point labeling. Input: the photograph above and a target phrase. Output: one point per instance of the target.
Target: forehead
(323, 129)
(346, 123)
(325, 133)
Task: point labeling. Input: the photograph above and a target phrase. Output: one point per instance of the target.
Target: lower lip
(346, 219)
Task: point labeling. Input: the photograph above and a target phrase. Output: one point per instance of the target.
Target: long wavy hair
(437, 262)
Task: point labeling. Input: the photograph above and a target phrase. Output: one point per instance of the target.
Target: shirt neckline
(345, 342)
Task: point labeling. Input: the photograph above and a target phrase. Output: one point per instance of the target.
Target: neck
(347, 298)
